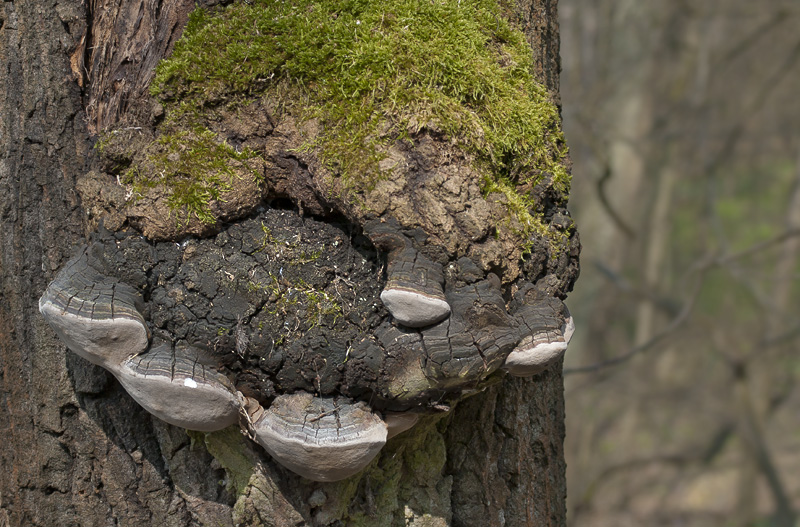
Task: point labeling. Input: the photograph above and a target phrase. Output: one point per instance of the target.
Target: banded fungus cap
(413, 293)
(413, 306)
(550, 327)
(320, 438)
(569, 326)
(95, 316)
(177, 388)
(534, 354)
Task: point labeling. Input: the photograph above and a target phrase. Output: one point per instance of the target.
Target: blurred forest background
(683, 120)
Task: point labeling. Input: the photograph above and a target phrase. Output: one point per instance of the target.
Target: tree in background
(686, 371)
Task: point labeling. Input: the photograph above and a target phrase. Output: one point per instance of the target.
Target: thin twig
(702, 266)
(325, 414)
(753, 249)
(676, 322)
(610, 210)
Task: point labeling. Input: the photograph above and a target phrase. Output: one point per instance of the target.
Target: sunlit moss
(194, 166)
(294, 252)
(523, 209)
(299, 297)
(230, 448)
(408, 463)
(373, 72)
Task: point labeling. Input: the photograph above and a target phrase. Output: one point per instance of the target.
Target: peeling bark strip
(90, 456)
(117, 54)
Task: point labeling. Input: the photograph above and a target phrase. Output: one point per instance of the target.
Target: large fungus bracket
(437, 339)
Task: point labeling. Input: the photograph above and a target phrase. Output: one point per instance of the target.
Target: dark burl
(279, 305)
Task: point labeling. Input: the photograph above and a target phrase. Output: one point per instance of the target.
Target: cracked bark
(79, 451)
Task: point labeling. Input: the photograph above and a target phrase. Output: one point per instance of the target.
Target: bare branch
(676, 322)
(701, 266)
(757, 34)
(615, 217)
(668, 305)
(758, 247)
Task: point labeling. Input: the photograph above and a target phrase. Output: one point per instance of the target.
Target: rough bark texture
(78, 451)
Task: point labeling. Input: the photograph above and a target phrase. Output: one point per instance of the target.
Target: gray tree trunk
(76, 449)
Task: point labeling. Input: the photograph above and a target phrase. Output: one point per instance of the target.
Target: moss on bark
(360, 78)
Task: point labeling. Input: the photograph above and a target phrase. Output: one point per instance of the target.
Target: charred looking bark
(79, 451)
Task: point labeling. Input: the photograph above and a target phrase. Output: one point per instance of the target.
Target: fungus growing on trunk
(399, 422)
(473, 342)
(413, 291)
(178, 388)
(546, 327)
(94, 315)
(320, 438)
(252, 284)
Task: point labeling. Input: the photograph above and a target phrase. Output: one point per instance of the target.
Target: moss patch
(408, 471)
(195, 166)
(374, 72)
(293, 251)
(298, 297)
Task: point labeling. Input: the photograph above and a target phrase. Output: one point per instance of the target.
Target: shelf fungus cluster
(287, 327)
(96, 317)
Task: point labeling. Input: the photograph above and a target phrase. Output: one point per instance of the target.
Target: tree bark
(77, 450)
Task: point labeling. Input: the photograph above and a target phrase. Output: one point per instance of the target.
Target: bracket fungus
(95, 316)
(178, 388)
(440, 337)
(399, 422)
(547, 329)
(390, 264)
(320, 438)
(413, 292)
(473, 341)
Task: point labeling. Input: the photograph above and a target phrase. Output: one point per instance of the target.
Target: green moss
(298, 297)
(523, 209)
(373, 72)
(194, 166)
(293, 251)
(408, 471)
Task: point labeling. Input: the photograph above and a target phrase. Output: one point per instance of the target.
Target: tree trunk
(77, 450)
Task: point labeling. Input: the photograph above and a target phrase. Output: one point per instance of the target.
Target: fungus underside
(406, 471)
(373, 73)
